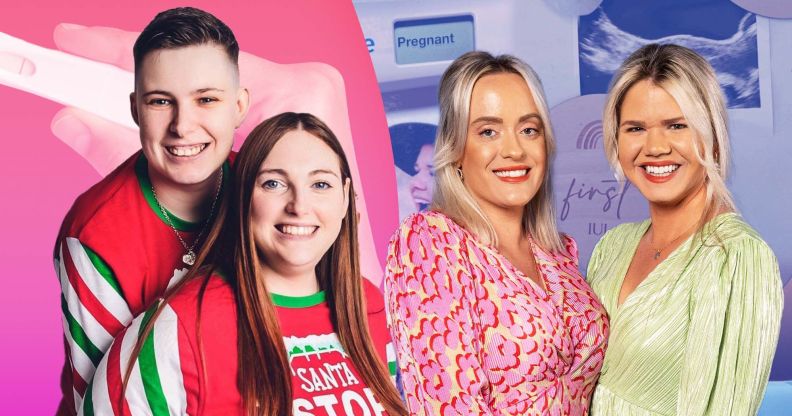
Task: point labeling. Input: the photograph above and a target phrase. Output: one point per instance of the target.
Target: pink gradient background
(40, 176)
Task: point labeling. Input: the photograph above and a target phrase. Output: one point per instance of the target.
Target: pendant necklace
(658, 251)
(189, 257)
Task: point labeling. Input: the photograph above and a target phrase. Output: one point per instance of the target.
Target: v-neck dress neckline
(656, 271)
(540, 289)
(506, 345)
(687, 333)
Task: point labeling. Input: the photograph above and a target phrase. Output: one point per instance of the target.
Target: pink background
(40, 176)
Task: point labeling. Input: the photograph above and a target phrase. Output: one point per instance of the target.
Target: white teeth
(297, 230)
(186, 150)
(511, 173)
(660, 170)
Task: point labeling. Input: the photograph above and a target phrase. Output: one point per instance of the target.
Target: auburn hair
(264, 379)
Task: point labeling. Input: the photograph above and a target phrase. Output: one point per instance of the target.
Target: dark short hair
(181, 27)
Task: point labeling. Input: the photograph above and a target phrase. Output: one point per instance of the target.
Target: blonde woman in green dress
(693, 293)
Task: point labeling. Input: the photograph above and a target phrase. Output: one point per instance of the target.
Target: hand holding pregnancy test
(93, 91)
(67, 79)
(92, 76)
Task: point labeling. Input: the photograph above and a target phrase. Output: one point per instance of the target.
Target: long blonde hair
(451, 196)
(691, 81)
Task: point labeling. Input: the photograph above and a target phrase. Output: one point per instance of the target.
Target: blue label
(433, 40)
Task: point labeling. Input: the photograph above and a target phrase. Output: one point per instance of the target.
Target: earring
(460, 174)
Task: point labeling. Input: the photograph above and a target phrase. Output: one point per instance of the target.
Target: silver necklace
(189, 257)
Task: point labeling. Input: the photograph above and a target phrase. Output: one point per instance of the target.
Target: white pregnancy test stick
(95, 87)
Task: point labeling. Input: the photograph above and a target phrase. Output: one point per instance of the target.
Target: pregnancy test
(73, 81)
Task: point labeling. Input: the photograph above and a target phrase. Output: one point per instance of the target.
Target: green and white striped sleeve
(161, 376)
(93, 308)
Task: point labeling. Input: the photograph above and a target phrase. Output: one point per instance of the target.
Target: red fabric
(217, 392)
(115, 221)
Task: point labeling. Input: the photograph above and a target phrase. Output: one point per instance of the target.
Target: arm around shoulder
(164, 378)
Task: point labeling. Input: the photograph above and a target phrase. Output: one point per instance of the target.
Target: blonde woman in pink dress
(488, 311)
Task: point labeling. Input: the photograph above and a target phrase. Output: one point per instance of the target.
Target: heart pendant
(189, 258)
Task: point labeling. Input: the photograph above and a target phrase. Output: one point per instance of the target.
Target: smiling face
(187, 102)
(298, 204)
(504, 160)
(422, 184)
(657, 150)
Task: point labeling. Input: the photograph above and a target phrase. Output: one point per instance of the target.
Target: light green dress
(697, 336)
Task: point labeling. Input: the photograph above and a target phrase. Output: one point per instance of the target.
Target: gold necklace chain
(189, 257)
(658, 251)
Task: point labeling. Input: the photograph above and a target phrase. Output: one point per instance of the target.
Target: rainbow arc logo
(590, 135)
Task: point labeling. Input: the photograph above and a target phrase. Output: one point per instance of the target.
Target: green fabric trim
(104, 269)
(392, 367)
(87, 405)
(219, 272)
(298, 301)
(141, 170)
(149, 373)
(80, 337)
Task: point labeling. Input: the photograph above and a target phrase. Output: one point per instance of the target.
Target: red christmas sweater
(167, 377)
(114, 256)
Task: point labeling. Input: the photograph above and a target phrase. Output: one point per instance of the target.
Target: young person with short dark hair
(135, 233)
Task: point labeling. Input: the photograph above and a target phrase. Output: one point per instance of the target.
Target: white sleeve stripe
(96, 333)
(99, 390)
(178, 275)
(103, 291)
(79, 360)
(77, 399)
(135, 394)
(166, 351)
(390, 352)
(80, 410)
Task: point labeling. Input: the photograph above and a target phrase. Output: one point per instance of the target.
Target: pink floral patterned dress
(474, 336)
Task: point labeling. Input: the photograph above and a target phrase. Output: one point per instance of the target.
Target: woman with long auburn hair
(488, 311)
(275, 318)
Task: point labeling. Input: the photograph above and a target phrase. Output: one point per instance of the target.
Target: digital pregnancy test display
(433, 40)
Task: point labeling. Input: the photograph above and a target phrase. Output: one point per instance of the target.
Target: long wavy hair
(451, 196)
(264, 378)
